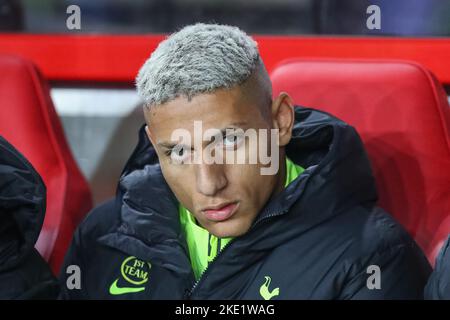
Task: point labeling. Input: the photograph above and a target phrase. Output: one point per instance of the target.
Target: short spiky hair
(199, 58)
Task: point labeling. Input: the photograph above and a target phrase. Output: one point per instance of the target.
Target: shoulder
(101, 220)
(374, 231)
(383, 232)
(380, 245)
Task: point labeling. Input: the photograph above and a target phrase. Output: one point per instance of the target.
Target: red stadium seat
(403, 117)
(29, 122)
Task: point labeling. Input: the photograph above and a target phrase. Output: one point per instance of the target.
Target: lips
(221, 212)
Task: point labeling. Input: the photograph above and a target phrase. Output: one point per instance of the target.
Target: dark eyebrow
(166, 145)
(170, 145)
(234, 125)
(237, 124)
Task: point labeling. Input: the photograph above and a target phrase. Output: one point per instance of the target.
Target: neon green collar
(198, 238)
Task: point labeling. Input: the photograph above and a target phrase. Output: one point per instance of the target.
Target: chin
(229, 229)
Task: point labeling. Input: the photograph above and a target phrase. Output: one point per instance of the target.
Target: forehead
(215, 110)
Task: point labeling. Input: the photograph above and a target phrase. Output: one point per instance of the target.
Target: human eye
(179, 154)
(231, 140)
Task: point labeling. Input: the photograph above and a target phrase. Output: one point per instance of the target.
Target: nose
(210, 178)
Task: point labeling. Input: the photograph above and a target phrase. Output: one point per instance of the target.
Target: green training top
(198, 238)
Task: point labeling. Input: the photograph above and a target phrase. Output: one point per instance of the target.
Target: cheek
(248, 184)
(179, 182)
(264, 186)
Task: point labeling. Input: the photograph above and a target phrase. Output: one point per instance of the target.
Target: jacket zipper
(203, 274)
(200, 278)
(268, 217)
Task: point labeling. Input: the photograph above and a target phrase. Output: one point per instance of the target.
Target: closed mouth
(221, 212)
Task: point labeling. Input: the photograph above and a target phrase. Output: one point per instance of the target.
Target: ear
(283, 117)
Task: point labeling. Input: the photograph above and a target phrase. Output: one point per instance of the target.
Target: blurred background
(400, 17)
(101, 118)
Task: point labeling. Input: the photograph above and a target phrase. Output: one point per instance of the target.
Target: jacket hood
(22, 206)
(337, 176)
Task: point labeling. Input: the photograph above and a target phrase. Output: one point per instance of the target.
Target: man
(23, 272)
(298, 223)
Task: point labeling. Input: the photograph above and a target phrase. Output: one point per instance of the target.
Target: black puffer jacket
(321, 238)
(23, 272)
(438, 286)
